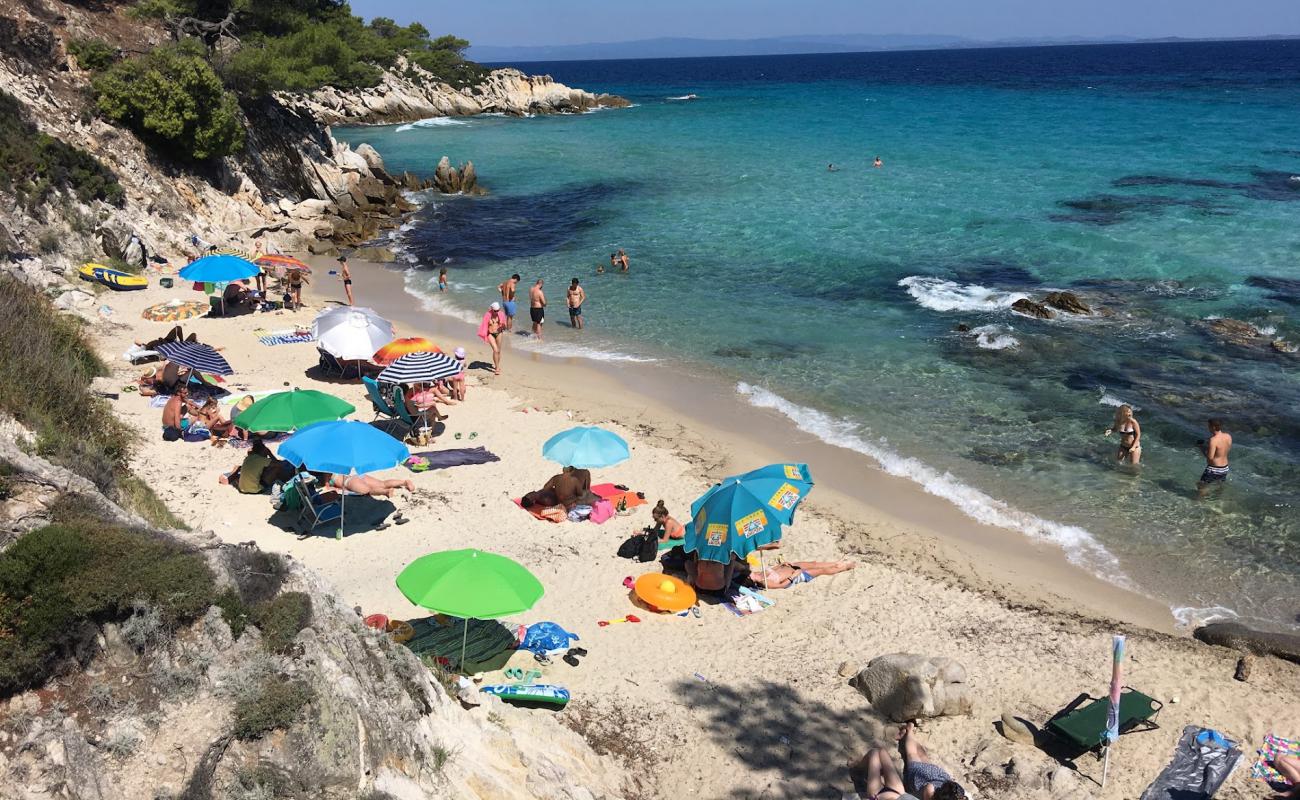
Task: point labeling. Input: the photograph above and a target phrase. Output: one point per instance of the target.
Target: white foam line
(1079, 545)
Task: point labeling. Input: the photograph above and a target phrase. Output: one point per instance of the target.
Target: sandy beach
(721, 706)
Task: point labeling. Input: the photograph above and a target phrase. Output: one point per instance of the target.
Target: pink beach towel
(483, 326)
(1274, 746)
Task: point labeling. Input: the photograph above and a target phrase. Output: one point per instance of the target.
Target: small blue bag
(546, 637)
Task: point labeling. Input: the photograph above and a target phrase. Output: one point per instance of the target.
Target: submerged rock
(1068, 302)
(1031, 308)
(1234, 331)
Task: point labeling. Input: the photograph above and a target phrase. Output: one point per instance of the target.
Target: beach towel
(459, 457)
(549, 514)
(281, 338)
(1274, 746)
(607, 491)
(1203, 760)
(485, 638)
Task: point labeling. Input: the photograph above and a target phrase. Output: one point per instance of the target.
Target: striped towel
(486, 638)
(1274, 746)
(292, 338)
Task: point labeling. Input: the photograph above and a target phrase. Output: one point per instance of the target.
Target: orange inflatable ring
(664, 592)
(400, 630)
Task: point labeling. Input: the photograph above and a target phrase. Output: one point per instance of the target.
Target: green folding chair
(1084, 725)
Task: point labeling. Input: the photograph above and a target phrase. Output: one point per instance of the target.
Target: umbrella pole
(464, 637)
(763, 566)
(1105, 767)
(343, 505)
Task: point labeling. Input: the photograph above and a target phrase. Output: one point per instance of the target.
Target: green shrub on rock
(173, 99)
(93, 54)
(278, 703)
(281, 619)
(34, 165)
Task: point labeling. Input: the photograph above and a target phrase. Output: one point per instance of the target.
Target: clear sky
(556, 22)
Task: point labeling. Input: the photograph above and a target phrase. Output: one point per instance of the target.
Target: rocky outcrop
(905, 686)
(1031, 308)
(407, 93)
(1068, 302)
(1236, 636)
(452, 180)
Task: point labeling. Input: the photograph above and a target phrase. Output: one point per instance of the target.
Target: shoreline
(713, 428)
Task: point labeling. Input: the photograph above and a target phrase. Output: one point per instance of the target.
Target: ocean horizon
(873, 306)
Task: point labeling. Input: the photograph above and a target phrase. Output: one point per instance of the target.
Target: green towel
(486, 638)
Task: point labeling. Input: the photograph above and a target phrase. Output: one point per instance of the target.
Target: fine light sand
(720, 706)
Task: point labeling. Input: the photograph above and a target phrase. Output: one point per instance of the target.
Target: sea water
(872, 306)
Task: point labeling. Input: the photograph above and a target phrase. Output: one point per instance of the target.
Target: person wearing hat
(345, 275)
(490, 329)
(458, 380)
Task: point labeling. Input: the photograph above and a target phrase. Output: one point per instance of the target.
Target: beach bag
(643, 546)
(602, 511)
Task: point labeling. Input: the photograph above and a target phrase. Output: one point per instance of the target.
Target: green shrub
(45, 372)
(34, 165)
(171, 98)
(93, 54)
(277, 704)
(281, 619)
(58, 583)
(233, 611)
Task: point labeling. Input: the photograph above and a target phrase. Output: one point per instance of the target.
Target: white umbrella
(351, 333)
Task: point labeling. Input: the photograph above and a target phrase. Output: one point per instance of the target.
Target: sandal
(542, 658)
(571, 657)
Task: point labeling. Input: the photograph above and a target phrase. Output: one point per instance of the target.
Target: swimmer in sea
(1216, 458)
(878, 163)
(831, 168)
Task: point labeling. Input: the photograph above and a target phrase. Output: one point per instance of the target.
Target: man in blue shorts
(576, 297)
(508, 299)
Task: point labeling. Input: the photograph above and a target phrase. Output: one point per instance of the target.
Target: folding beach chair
(399, 407)
(332, 367)
(377, 401)
(315, 510)
(1083, 724)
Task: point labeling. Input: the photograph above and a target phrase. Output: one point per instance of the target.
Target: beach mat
(1197, 769)
(460, 457)
(1273, 747)
(486, 638)
(537, 511)
(608, 491)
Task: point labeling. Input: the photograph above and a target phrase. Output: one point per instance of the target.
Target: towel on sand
(293, 338)
(547, 513)
(459, 457)
(1274, 746)
(607, 491)
(486, 638)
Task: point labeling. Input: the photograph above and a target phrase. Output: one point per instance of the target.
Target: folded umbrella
(586, 447)
(196, 356)
(351, 333)
(420, 368)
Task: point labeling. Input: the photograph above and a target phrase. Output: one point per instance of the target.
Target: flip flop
(473, 435)
(542, 658)
(458, 435)
(401, 521)
(571, 657)
(628, 583)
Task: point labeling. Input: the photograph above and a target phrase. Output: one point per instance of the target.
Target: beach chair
(399, 407)
(377, 401)
(1083, 722)
(315, 510)
(332, 367)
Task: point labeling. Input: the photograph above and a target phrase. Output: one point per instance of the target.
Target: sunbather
(259, 470)
(209, 415)
(785, 575)
(710, 577)
(668, 527)
(174, 420)
(364, 484)
(173, 335)
(1289, 767)
(570, 488)
(877, 779)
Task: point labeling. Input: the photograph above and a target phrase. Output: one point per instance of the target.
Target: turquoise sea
(1160, 183)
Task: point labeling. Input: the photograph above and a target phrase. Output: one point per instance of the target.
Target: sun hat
(495, 306)
(459, 352)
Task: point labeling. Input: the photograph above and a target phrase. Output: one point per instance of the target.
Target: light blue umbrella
(746, 512)
(343, 447)
(219, 269)
(586, 447)
(783, 486)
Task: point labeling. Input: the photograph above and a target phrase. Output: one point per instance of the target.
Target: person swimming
(877, 163)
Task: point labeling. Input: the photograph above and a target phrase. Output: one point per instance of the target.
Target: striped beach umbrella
(401, 347)
(232, 251)
(175, 311)
(420, 368)
(196, 356)
(281, 263)
(1112, 711)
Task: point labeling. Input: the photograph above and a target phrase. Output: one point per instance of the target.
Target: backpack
(643, 546)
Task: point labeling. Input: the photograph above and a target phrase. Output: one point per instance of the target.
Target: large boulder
(1068, 302)
(1031, 308)
(906, 686)
(370, 155)
(1236, 636)
(452, 180)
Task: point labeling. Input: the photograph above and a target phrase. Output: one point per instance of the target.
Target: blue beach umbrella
(783, 485)
(344, 447)
(219, 269)
(746, 512)
(586, 447)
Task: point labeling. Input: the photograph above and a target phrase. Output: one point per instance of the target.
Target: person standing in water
(537, 308)
(508, 305)
(576, 296)
(1130, 435)
(1216, 457)
(622, 259)
(877, 163)
(613, 261)
(442, 279)
(345, 275)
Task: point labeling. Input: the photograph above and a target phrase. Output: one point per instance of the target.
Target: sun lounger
(1084, 724)
(332, 367)
(377, 401)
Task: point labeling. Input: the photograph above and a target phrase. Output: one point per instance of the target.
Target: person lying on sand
(783, 576)
(176, 334)
(875, 777)
(1289, 766)
(668, 527)
(364, 484)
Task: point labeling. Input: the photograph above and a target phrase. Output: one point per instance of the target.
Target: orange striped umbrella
(402, 347)
(281, 262)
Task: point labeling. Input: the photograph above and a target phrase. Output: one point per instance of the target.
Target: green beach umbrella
(469, 584)
(289, 411)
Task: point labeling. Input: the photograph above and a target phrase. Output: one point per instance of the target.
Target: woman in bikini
(785, 575)
(496, 324)
(1130, 435)
(876, 778)
(668, 527)
(375, 487)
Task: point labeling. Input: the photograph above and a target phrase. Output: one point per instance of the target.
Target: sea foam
(431, 122)
(994, 337)
(1079, 545)
(938, 294)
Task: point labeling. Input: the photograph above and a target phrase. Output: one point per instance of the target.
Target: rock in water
(905, 686)
(1068, 302)
(1032, 309)
(450, 180)
(1015, 730)
(1234, 330)
(1236, 636)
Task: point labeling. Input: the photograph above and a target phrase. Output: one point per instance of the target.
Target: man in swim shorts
(1216, 458)
(576, 297)
(345, 275)
(537, 308)
(508, 299)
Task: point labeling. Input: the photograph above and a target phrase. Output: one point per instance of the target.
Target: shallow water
(1154, 181)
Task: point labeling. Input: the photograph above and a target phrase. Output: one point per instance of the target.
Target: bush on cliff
(59, 583)
(173, 99)
(94, 55)
(33, 165)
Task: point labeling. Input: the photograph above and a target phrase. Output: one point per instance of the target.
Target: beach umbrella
(586, 447)
(343, 447)
(351, 333)
(420, 368)
(1112, 712)
(469, 584)
(198, 357)
(783, 485)
(175, 310)
(664, 592)
(232, 251)
(289, 411)
(219, 269)
(281, 263)
(403, 347)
